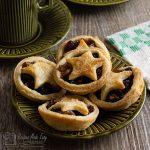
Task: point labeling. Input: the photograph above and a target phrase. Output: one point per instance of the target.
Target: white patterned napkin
(134, 45)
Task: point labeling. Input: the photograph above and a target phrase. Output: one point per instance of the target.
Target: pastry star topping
(68, 104)
(85, 65)
(82, 44)
(114, 81)
(41, 72)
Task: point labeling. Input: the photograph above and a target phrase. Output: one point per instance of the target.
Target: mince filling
(66, 70)
(116, 95)
(98, 94)
(69, 112)
(128, 69)
(44, 89)
(50, 103)
(90, 108)
(26, 64)
(71, 45)
(72, 112)
(99, 72)
(95, 55)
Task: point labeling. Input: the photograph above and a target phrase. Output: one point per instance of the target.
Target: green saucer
(54, 24)
(98, 2)
(105, 124)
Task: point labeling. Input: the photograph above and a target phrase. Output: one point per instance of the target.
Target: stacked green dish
(98, 2)
(54, 24)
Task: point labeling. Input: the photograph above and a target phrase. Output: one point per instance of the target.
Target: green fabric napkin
(134, 45)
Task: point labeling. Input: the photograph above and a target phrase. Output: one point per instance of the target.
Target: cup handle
(49, 3)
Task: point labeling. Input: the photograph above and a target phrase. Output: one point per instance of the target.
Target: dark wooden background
(101, 21)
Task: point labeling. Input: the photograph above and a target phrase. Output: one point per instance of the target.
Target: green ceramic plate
(98, 2)
(105, 124)
(54, 24)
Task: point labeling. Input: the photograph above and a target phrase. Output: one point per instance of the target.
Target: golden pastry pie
(80, 42)
(69, 113)
(33, 79)
(82, 72)
(123, 88)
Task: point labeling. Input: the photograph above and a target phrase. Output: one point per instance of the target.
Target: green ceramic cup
(19, 20)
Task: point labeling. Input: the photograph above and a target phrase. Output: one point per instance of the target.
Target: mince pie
(69, 113)
(81, 42)
(33, 79)
(82, 72)
(123, 88)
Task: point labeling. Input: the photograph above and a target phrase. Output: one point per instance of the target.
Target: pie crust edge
(67, 122)
(97, 41)
(27, 92)
(129, 98)
(83, 88)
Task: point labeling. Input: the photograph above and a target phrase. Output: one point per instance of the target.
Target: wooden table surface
(101, 21)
